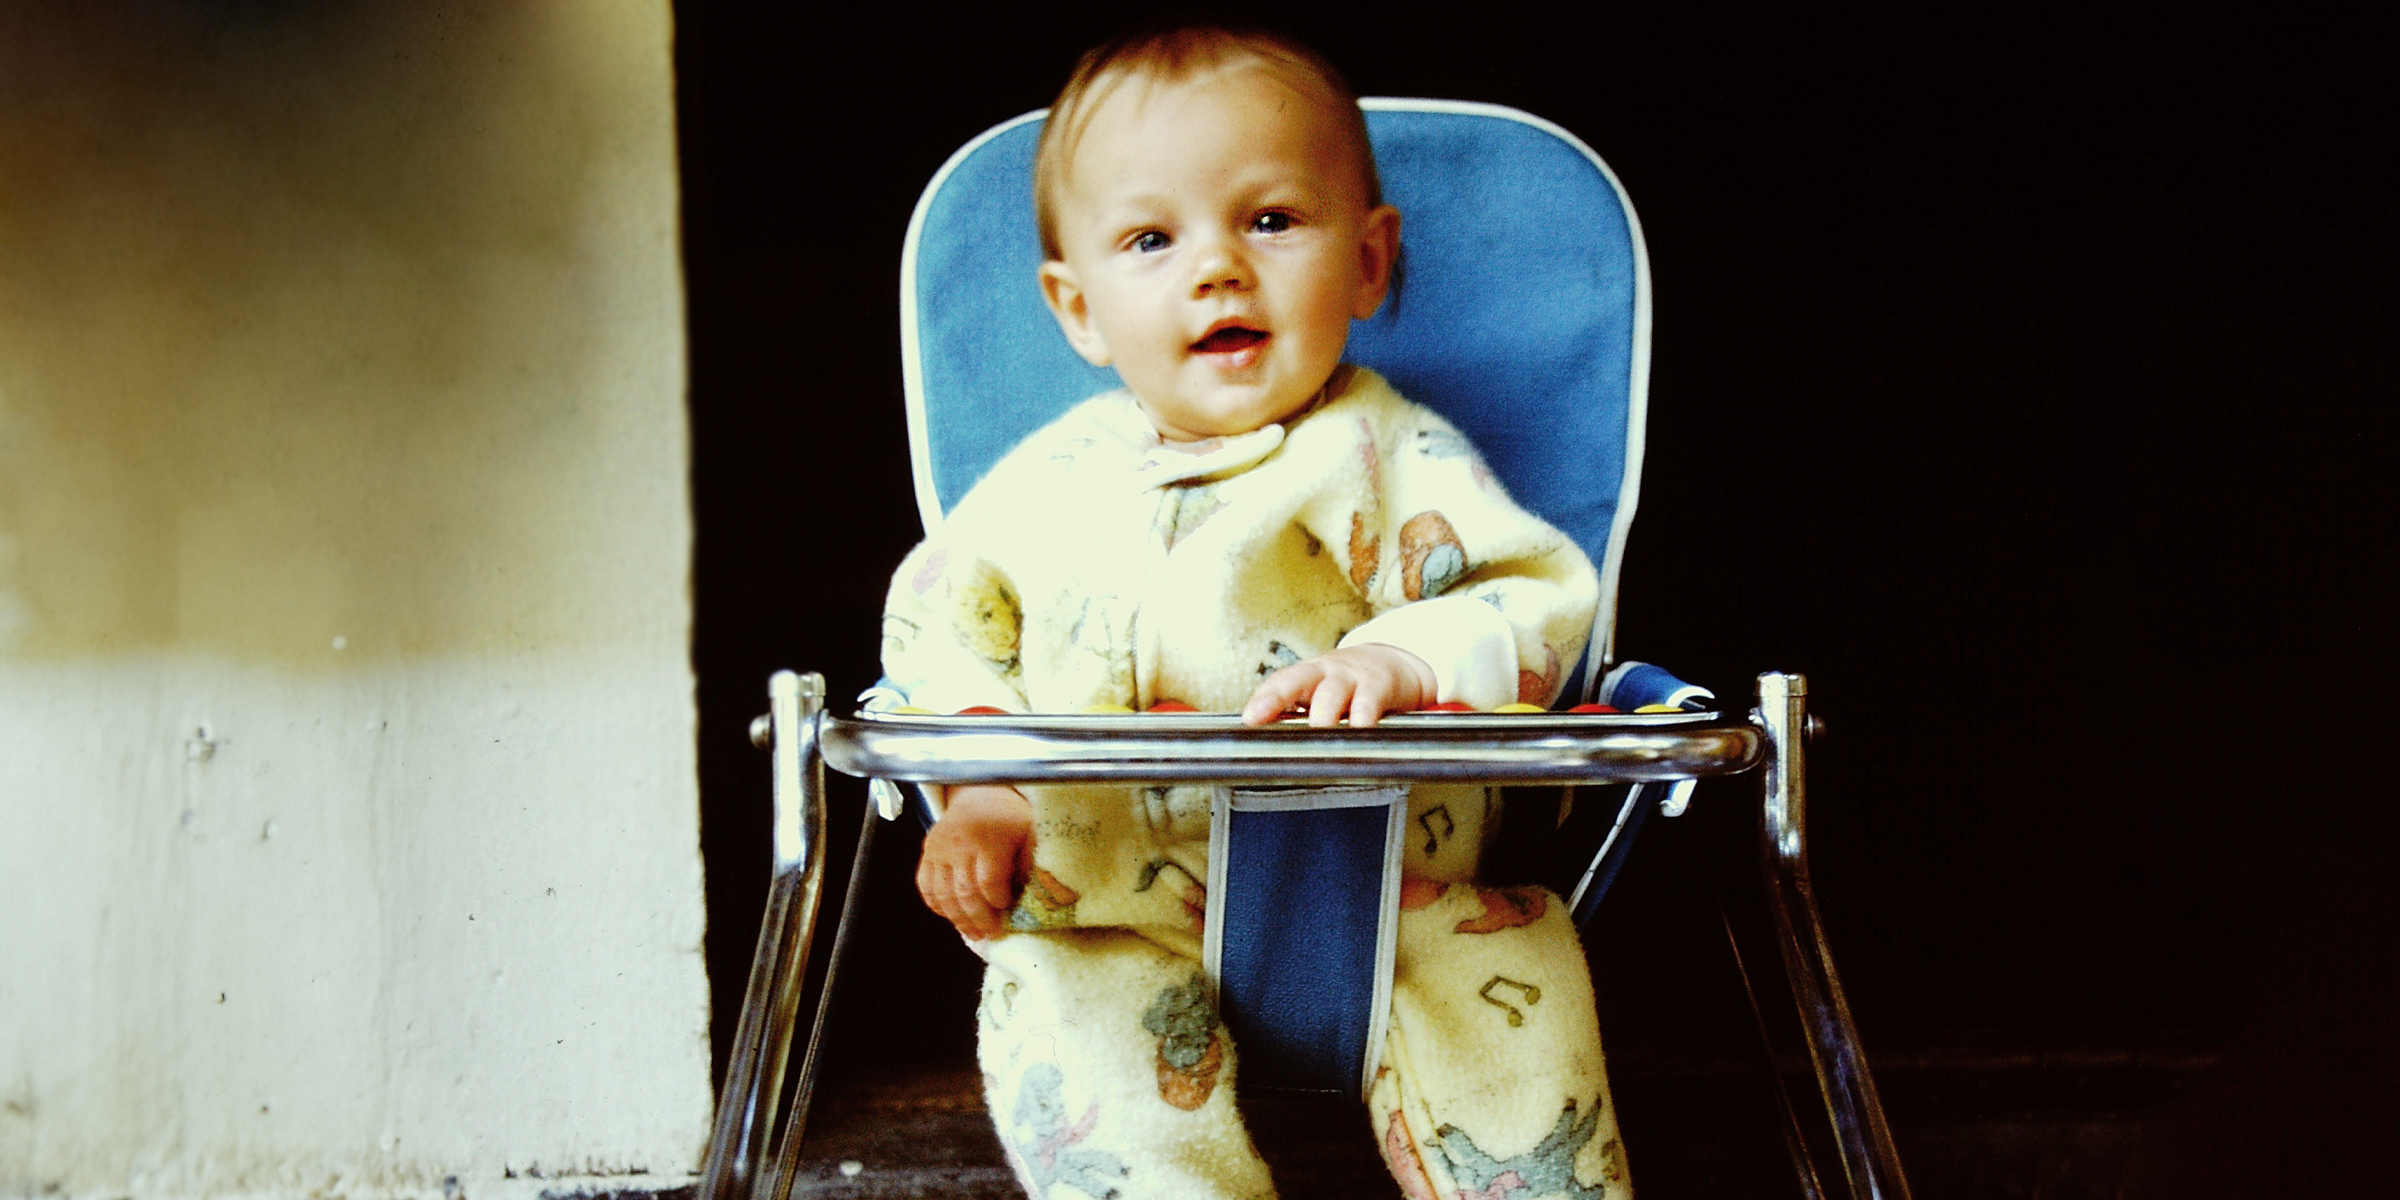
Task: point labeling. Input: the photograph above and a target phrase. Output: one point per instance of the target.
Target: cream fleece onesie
(1099, 565)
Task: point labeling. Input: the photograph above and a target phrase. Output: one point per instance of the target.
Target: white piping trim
(1637, 408)
(1212, 910)
(1313, 799)
(1387, 944)
(912, 368)
(1633, 799)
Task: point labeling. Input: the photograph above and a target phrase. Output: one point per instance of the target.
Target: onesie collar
(1158, 462)
(1179, 462)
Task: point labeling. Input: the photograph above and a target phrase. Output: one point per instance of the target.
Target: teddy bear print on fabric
(1278, 657)
(1184, 508)
(1190, 891)
(1443, 443)
(1503, 908)
(1535, 688)
(1366, 552)
(1048, 903)
(1400, 1157)
(1048, 1154)
(1546, 1170)
(1189, 1051)
(1506, 908)
(983, 610)
(1449, 443)
(1431, 556)
(1366, 542)
(995, 1010)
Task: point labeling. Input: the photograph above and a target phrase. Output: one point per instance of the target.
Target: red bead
(1591, 708)
(1172, 706)
(982, 710)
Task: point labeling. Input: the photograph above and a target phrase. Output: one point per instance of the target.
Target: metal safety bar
(1156, 749)
(1408, 748)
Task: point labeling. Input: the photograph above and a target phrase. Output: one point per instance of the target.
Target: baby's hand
(1365, 681)
(976, 857)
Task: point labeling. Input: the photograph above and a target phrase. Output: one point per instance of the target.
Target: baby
(1248, 524)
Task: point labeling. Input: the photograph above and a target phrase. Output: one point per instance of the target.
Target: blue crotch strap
(1303, 904)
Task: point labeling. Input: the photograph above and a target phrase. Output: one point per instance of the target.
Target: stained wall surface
(348, 814)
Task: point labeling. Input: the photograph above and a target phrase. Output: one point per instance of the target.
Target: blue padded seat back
(1522, 314)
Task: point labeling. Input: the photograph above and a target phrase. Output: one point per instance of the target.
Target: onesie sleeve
(1429, 537)
(951, 631)
(1469, 645)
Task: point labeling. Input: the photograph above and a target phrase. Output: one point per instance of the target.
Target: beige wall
(348, 814)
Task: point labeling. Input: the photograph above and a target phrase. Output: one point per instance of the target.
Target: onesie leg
(1107, 1073)
(1492, 1084)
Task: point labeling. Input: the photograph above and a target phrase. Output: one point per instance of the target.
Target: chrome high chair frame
(744, 1161)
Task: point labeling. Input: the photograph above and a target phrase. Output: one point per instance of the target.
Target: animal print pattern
(1117, 1067)
(1432, 557)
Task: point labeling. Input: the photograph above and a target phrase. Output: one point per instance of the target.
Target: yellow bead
(1106, 709)
(912, 710)
(1520, 707)
(1657, 708)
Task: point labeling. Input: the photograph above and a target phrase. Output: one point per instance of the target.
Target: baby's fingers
(933, 885)
(994, 880)
(1281, 692)
(946, 891)
(1331, 700)
(1369, 702)
(969, 911)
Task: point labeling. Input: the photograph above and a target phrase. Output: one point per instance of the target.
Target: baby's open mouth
(1230, 340)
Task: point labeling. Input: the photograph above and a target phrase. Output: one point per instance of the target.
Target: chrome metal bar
(1869, 1159)
(795, 1126)
(1219, 749)
(762, 1041)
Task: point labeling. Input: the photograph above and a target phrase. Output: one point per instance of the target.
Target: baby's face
(1217, 242)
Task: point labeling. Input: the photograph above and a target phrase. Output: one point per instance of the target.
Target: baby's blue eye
(1149, 242)
(1270, 222)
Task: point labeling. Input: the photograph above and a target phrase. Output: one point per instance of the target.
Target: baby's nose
(1220, 266)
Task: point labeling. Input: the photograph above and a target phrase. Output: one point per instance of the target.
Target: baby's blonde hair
(1168, 53)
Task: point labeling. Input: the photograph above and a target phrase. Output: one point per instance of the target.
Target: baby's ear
(1378, 250)
(1074, 312)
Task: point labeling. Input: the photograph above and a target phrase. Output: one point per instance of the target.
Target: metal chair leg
(1859, 1132)
(763, 1040)
(1795, 1142)
(795, 1127)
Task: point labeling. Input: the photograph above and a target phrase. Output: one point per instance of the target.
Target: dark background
(2027, 386)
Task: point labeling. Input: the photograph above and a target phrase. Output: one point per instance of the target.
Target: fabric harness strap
(1303, 902)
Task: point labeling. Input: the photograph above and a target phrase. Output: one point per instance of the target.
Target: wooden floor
(1970, 1125)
